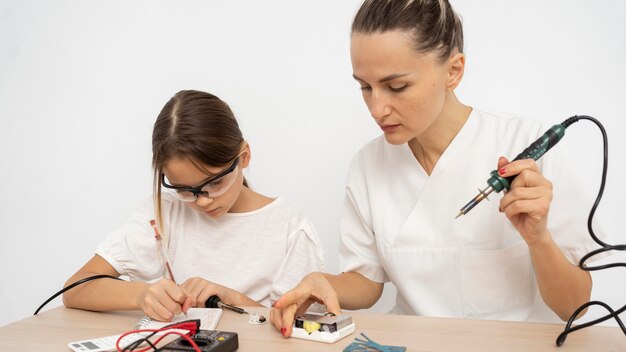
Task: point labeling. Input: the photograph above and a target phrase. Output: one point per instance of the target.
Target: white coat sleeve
(358, 251)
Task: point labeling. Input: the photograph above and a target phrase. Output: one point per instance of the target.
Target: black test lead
(535, 151)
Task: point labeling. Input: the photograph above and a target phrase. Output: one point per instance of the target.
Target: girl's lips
(212, 211)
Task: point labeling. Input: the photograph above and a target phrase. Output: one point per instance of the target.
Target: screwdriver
(216, 302)
(534, 151)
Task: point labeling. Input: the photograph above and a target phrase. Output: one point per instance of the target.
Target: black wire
(68, 287)
(605, 247)
(133, 345)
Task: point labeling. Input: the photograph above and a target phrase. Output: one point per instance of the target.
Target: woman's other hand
(314, 288)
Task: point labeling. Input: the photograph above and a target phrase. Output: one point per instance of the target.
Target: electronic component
(257, 319)
(323, 327)
(207, 341)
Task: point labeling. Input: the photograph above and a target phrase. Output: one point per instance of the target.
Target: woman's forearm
(564, 286)
(354, 290)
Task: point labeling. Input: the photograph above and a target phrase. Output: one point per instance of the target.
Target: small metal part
(482, 194)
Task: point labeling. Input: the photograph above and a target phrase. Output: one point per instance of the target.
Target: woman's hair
(196, 126)
(432, 23)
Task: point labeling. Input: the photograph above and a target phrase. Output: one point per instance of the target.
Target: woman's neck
(432, 143)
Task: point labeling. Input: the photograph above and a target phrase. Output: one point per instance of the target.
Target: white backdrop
(81, 83)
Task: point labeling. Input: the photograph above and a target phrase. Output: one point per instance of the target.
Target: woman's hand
(314, 288)
(164, 299)
(527, 203)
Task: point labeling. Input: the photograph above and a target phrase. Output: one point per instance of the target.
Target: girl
(222, 237)
(405, 187)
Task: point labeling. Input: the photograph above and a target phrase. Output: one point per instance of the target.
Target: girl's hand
(527, 203)
(199, 290)
(164, 299)
(315, 287)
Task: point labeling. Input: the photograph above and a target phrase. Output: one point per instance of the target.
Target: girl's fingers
(159, 312)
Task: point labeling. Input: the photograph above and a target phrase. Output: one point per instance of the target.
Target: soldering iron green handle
(537, 149)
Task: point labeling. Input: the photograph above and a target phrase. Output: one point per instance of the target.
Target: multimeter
(207, 341)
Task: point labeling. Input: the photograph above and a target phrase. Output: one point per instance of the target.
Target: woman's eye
(397, 87)
(366, 88)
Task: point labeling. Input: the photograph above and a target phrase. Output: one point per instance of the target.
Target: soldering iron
(215, 302)
(535, 151)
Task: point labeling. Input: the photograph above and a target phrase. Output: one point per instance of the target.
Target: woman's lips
(388, 128)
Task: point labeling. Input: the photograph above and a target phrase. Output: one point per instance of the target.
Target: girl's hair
(196, 126)
(432, 23)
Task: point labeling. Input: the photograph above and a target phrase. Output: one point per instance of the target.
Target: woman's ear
(245, 156)
(456, 68)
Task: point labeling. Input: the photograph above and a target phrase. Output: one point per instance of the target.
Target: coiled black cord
(605, 247)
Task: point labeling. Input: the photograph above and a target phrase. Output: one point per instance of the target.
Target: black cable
(133, 345)
(605, 247)
(81, 281)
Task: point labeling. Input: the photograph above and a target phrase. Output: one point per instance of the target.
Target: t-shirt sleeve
(569, 210)
(304, 255)
(358, 251)
(132, 249)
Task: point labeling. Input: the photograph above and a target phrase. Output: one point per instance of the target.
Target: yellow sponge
(310, 326)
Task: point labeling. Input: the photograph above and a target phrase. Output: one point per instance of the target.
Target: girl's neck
(430, 145)
(249, 200)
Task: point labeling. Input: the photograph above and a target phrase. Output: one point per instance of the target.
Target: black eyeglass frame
(197, 191)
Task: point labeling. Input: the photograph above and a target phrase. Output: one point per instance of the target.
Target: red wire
(191, 327)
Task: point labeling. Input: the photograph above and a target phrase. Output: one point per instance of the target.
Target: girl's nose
(203, 201)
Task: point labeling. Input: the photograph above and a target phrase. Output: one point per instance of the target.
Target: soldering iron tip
(459, 214)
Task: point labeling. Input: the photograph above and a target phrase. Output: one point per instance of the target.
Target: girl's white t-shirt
(262, 253)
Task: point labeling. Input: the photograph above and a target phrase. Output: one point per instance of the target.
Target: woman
(405, 188)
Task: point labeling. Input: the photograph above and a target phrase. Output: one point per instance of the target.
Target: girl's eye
(366, 88)
(217, 182)
(397, 87)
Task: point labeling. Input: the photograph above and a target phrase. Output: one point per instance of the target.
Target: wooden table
(53, 329)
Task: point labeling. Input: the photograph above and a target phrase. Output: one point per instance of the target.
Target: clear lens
(185, 196)
(213, 189)
(219, 187)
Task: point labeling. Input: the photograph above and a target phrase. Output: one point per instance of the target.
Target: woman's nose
(379, 107)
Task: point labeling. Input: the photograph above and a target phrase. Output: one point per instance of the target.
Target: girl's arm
(161, 300)
(102, 294)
